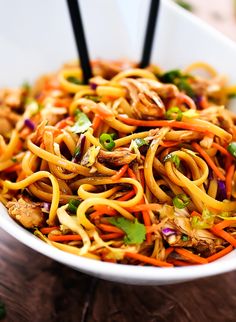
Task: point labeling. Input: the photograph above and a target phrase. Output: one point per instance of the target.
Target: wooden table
(35, 288)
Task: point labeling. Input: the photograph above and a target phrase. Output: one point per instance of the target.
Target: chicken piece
(117, 157)
(8, 119)
(145, 103)
(11, 97)
(210, 87)
(201, 239)
(108, 69)
(28, 213)
(163, 90)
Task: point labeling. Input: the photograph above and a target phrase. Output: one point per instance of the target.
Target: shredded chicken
(11, 97)
(117, 157)
(145, 103)
(28, 213)
(210, 87)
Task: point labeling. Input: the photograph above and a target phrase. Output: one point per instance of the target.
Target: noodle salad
(137, 167)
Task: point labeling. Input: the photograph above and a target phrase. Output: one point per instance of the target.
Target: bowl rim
(100, 268)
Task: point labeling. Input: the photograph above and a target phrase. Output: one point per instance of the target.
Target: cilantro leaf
(135, 232)
(82, 123)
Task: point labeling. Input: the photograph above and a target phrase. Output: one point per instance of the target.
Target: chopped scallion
(181, 201)
(106, 141)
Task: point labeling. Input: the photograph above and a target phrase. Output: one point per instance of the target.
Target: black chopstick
(150, 32)
(79, 35)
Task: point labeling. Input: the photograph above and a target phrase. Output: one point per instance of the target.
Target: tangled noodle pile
(138, 167)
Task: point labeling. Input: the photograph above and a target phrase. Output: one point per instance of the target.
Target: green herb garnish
(74, 80)
(173, 158)
(180, 80)
(135, 231)
(92, 98)
(73, 205)
(140, 142)
(184, 238)
(232, 149)
(13, 159)
(181, 201)
(174, 113)
(206, 221)
(106, 141)
(82, 123)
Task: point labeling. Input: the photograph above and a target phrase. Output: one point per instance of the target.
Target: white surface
(40, 40)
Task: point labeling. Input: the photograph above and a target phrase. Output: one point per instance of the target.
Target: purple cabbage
(29, 124)
(46, 206)
(93, 85)
(168, 232)
(79, 149)
(221, 191)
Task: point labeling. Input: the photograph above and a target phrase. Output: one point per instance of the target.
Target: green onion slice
(181, 201)
(73, 205)
(232, 148)
(106, 141)
(174, 113)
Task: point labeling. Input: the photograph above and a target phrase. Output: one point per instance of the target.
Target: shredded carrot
(190, 256)
(13, 168)
(224, 235)
(110, 229)
(229, 179)
(47, 230)
(132, 174)
(208, 160)
(204, 102)
(168, 251)
(169, 144)
(177, 262)
(62, 102)
(220, 254)
(111, 236)
(119, 174)
(96, 215)
(223, 224)
(195, 213)
(142, 178)
(127, 196)
(162, 123)
(25, 132)
(145, 207)
(148, 260)
(61, 238)
(105, 210)
(96, 122)
(222, 150)
(63, 123)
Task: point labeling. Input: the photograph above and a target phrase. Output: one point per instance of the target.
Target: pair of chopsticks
(82, 49)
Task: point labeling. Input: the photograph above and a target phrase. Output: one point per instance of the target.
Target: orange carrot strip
(224, 235)
(127, 196)
(111, 236)
(61, 238)
(142, 178)
(148, 260)
(220, 254)
(229, 179)
(162, 123)
(145, 207)
(190, 256)
(208, 160)
(223, 224)
(119, 174)
(195, 213)
(62, 102)
(96, 122)
(105, 210)
(222, 150)
(25, 132)
(47, 230)
(177, 262)
(13, 168)
(110, 229)
(63, 123)
(169, 144)
(131, 174)
(147, 223)
(96, 214)
(168, 251)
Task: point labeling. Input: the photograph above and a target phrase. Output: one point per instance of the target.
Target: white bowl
(40, 40)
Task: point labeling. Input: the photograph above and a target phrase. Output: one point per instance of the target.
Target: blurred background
(221, 14)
